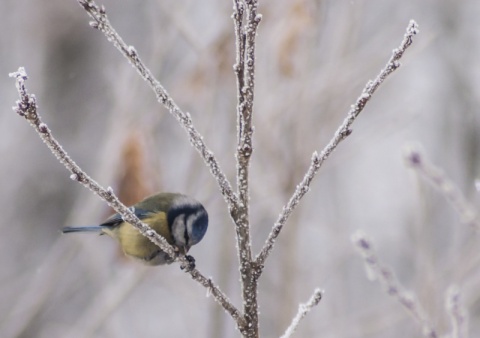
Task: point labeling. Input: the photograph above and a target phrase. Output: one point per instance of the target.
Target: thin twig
(376, 270)
(467, 212)
(101, 22)
(27, 108)
(238, 14)
(245, 72)
(303, 310)
(342, 132)
(458, 315)
(245, 33)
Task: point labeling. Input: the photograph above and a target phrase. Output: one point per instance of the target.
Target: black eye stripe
(187, 210)
(185, 234)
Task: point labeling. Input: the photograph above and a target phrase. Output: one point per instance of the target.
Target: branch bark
(245, 34)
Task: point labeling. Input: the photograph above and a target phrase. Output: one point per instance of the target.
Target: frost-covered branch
(449, 190)
(342, 132)
(458, 315)
(101, 22)
(303, 310)
(244, 68)
(377, 271)
(246, 20)
(27, 108)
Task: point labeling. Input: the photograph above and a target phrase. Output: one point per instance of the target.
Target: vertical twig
(245, 34)
(239, 66)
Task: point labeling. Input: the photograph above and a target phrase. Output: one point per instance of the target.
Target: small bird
(180, 219)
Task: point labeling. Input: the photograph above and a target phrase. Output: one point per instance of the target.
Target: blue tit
(180, 219)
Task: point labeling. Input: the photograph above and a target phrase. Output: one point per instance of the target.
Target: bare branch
(245, 72)
(458, 315)
(342, 132)
(101, 22)
(245, 33)
(27, 108)
(303, 310)
(386, 277)
(468, 213)
(239, 66)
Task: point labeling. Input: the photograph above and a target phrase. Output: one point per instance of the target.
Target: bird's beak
(183, 249)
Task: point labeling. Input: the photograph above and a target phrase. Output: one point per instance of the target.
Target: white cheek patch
(190, 221)
(178, 231)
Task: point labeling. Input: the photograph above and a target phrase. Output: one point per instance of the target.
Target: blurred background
(313, 59)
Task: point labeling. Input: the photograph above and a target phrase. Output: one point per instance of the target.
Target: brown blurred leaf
(298, 21)
(132, 183)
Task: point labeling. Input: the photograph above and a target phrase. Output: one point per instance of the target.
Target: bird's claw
(189, 265)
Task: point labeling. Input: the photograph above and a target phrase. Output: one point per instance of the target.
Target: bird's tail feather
(94, 228)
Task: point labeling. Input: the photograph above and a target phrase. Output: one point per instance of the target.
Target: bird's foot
(189, 265)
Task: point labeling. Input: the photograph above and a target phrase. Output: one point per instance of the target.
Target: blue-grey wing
(116, 219)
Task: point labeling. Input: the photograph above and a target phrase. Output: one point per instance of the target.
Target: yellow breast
(138, 246)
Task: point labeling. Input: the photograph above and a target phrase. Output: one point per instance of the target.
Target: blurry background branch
(377, 271)
(446, 187)
(385, 275)
(457, 313)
